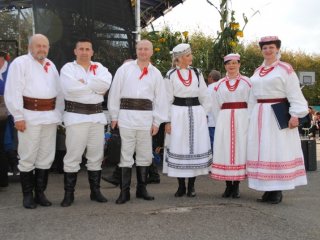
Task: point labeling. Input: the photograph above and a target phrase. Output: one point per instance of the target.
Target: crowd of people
(227, 130)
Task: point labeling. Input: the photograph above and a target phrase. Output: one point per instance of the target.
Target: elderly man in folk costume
(84, 84)
(137, 105)
(188, 152)
(32, 96)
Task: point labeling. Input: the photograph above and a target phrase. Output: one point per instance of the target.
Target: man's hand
(20, 125)
(114, 124)
(293, 122)
(154, 130)
(167, 128)
(82, 81)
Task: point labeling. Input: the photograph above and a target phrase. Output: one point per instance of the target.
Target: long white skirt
(187, 149)
(230, 146)
(275, 159)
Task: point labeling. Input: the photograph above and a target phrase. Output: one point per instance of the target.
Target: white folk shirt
(126, 84)
(96, 83)
(27, 77)
(211, 118)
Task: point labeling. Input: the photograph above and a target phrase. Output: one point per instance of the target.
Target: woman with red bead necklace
(230, 97)
(188, 152)
(274, 156)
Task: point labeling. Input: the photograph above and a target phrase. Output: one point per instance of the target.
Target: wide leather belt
(136, 104)
(234, 105)
(186, 101)
(39, 104)
(83, 108)
(272, 100)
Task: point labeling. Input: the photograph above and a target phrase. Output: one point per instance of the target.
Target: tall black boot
(70, 180)
(94, 180)
(4, 168)
(153, 176)
(265, 197)
(228, 191)
(13, 160)
(124, 185)
(235, 189)
(114, 178)
(41, 181)
(275, 197)
(181, 189)
(191, 191)
(27, 183)
(142, 183)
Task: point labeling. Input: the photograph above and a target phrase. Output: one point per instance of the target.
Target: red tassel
(46, 66)
(144, 72)
(93, 68)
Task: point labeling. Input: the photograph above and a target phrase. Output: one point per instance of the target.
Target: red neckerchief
(93, 68)
(46, 66)
(144, 72)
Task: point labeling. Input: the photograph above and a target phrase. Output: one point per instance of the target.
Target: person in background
(188, 153)
(213, 77)
(33, 97)
(137, 105)
(274, 156)
(84, 84)
(230, 96)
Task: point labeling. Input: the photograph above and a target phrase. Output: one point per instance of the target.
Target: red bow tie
(93, 68)
(144, 72)
(46, 66)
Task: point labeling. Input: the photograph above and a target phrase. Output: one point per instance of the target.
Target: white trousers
(138, 141)
(37, 146)
(83, 136)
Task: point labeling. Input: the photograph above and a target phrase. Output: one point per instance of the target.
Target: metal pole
(138, 26)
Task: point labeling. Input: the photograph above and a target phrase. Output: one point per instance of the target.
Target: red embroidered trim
(186, 82)
(93, 68)
(144, 72)
(275, 165)
(274, 176)
(228, 167)
(46, 66)
(225, 177)
(232, 139)
(259, 128)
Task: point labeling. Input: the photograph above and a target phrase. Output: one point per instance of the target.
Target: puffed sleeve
(169, 92)
(100, 82)
(204, 96)
(298, 104)
(114, 94)
(215, 106)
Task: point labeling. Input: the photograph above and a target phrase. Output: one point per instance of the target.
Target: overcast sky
(296, 22)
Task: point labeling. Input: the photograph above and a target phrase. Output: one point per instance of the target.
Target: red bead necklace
(186, 82)
(233, 87)
(264, 71)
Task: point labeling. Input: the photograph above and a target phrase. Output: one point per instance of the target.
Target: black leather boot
(181, 189)
(153, 176)
(41, 181)
(228, 191)
(94, 180)
(275, 197)
(70, 180)
(235, 189)
(124, 185)
(4, 168)
(13, 160)
(142, 183)
(191, 191)
(265, 197)
(27, 183)
(114, 178)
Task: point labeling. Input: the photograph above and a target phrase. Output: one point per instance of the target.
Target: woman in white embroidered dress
(188, 152)
(274, 156)
(230, 97)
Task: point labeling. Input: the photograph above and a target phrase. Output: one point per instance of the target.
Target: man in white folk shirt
(34, 99)
(137, 104)
(84, 84)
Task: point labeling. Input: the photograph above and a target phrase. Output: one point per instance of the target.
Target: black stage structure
(110, 24)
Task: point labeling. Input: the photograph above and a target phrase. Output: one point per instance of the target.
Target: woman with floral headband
(230, 97)
(274, 156)
(188, 152)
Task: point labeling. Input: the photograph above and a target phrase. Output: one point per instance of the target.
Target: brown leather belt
(272, 100)
(136, 104)
(194, 101)
(234, 105)
(83, 108)
(39, 104)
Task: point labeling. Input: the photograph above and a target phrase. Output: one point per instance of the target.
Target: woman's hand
(293, 122)
(167, 128)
